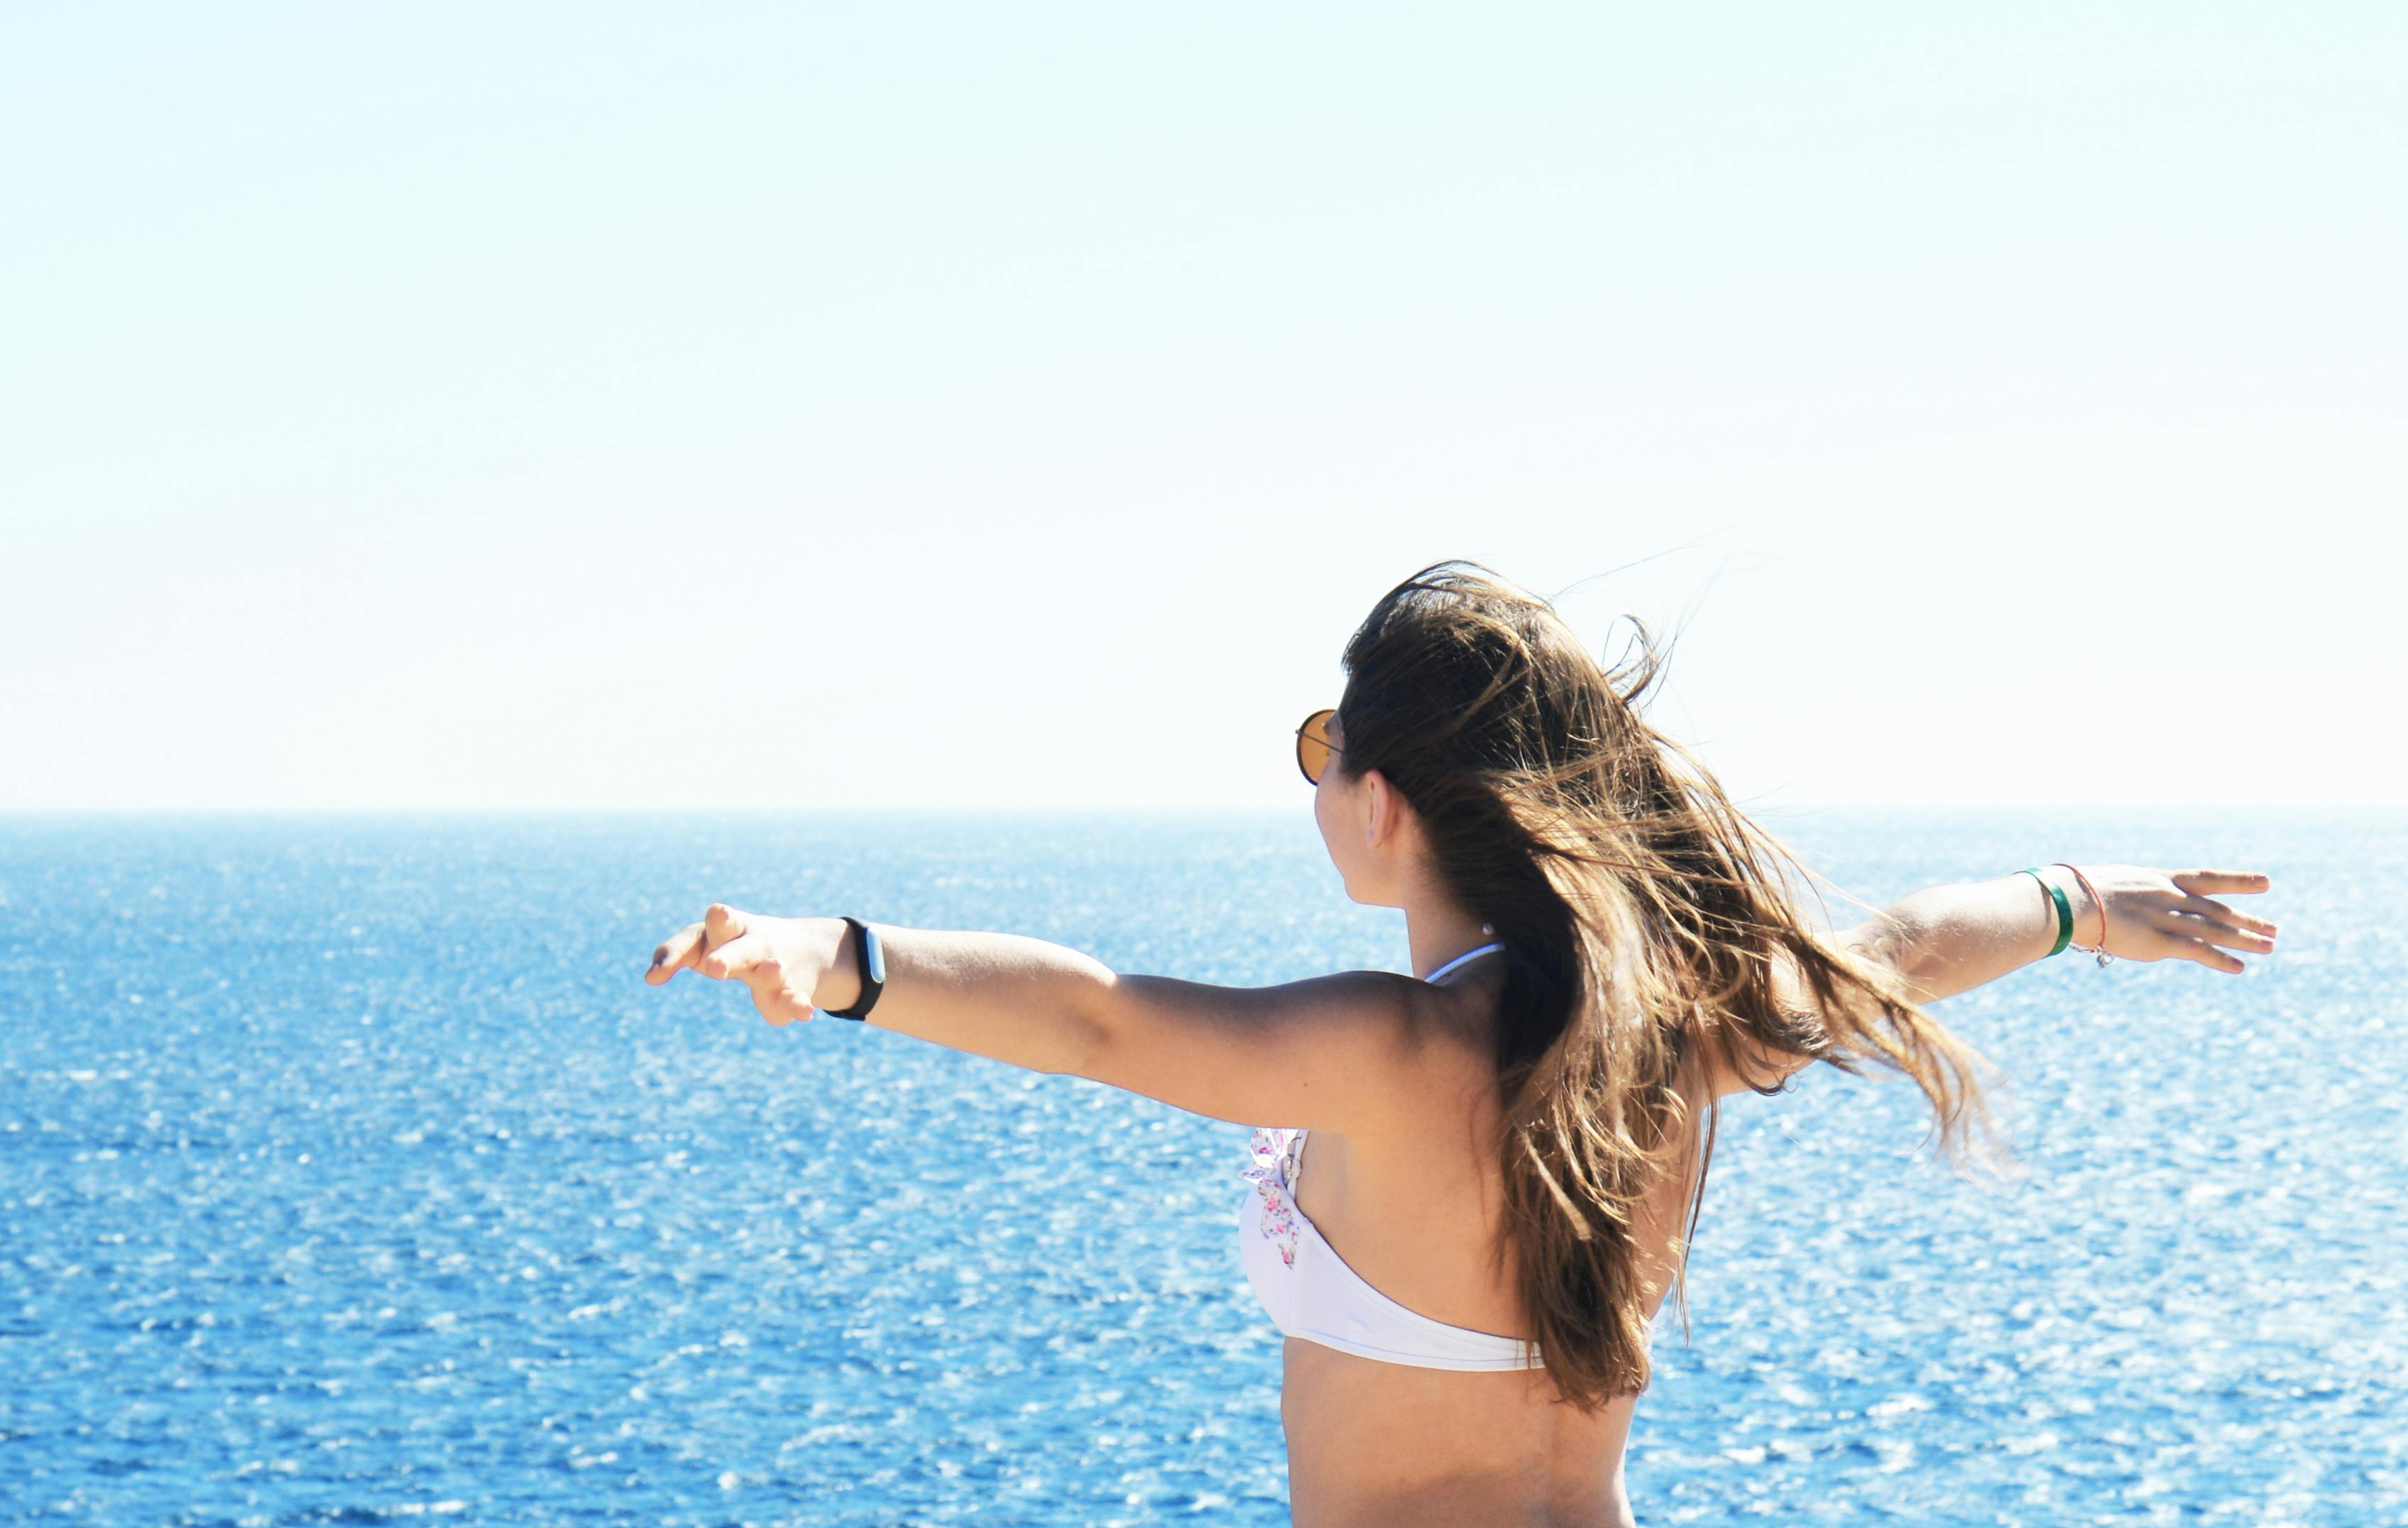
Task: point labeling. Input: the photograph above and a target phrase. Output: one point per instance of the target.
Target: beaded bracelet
(2064, 910)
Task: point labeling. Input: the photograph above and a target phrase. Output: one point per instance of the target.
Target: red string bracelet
(2099, 949)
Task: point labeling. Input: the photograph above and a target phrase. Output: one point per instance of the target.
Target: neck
(1437, 928)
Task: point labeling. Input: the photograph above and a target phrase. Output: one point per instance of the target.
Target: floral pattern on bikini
(1268, 1172)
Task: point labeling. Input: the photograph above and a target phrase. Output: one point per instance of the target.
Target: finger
(2216, 911)
(720, 923)
(741, 957)
(782, 1006)
(725, 923)
(2220, 882)
(2191, 926)
(750, 959)
(2214, 959)
(676, 953)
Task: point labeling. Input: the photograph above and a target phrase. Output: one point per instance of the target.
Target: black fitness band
(872, 959)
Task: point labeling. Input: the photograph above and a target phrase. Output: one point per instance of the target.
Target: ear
(1384, 810)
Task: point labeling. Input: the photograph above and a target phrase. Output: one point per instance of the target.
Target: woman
(1482, 1179)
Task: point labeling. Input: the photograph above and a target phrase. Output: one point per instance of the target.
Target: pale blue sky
(811, 407)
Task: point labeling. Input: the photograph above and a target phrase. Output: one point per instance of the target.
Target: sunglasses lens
(1313, 746)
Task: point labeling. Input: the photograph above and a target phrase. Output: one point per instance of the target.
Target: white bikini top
(1311, 1292)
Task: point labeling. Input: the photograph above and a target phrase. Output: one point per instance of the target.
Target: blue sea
(350, 1174)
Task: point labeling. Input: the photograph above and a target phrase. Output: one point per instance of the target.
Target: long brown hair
(1646, 925)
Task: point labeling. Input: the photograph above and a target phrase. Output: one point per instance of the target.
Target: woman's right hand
(2156, 915)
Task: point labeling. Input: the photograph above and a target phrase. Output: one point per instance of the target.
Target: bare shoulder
(1451, 1047)
(1345, 1052)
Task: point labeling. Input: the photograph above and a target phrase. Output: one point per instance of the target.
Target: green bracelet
(2064, 910)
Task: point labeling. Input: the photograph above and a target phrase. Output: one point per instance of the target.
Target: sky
(814, 407)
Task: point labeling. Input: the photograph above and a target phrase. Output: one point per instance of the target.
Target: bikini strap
(1461, 959)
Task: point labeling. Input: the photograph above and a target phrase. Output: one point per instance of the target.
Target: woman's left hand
(782, 959)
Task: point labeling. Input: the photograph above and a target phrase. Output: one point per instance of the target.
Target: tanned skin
(1391, 1076)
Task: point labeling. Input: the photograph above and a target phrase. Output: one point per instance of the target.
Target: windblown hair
(1651, 942)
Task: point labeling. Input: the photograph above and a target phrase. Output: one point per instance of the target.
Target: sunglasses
(1313, 746)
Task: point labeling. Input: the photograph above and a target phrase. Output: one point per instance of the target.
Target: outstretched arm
(1948, 939)
(1341, 1051)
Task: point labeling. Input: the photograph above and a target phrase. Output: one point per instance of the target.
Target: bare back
(1416, 1213)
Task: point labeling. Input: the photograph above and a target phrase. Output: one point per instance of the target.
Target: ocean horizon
(353, 1175)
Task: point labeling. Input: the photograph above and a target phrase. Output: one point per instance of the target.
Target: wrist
(2089, 911)
(838, 984)
(2056, 912)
